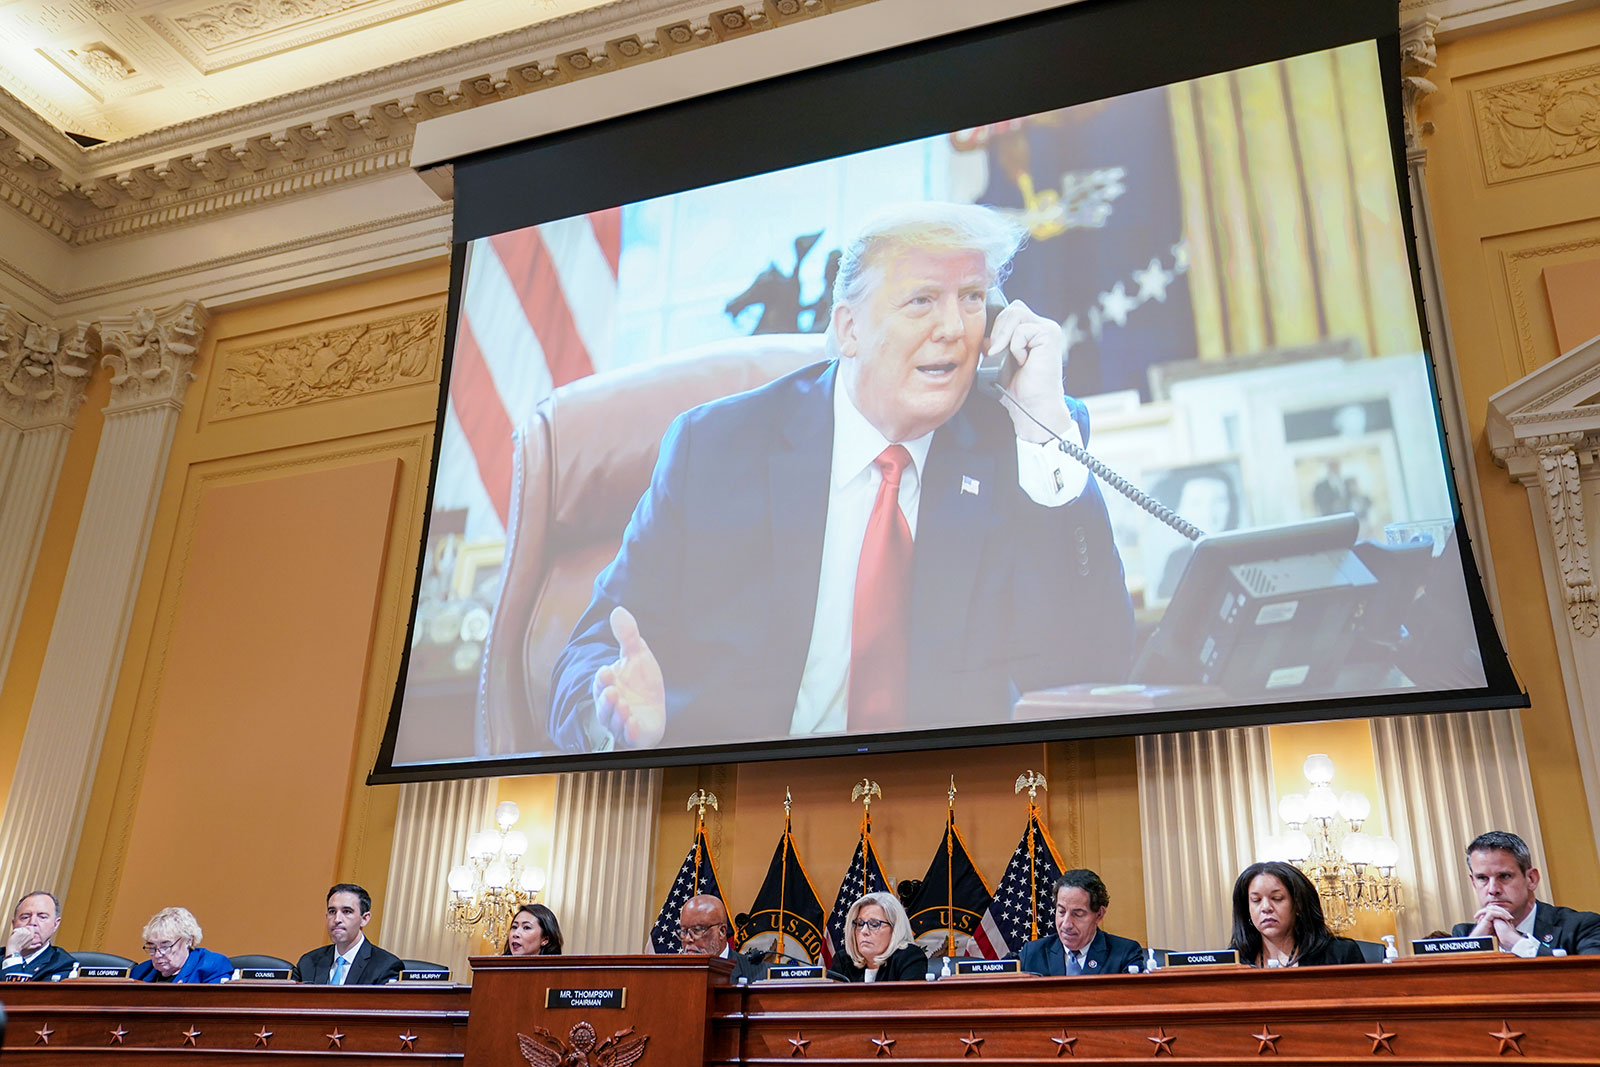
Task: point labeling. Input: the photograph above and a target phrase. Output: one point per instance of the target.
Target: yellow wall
(1501, 219)
(268, 625)
(1092, 806)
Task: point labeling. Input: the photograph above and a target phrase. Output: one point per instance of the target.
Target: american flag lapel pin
(969, 485)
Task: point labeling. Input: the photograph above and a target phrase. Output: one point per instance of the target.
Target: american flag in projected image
(697, 875)
(864, 876)
(1023, 895)
(536, 313)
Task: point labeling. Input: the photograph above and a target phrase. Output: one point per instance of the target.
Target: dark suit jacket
(721, 559)
(1578, 932)
(50, 964)
(203, 965)
(908, 963)
(1339, 950)
(747, 965)
(1108, 954)
(372, 966)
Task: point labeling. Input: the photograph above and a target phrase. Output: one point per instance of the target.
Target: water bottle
(1390, 953)
(1271, 963)
(1558, 952)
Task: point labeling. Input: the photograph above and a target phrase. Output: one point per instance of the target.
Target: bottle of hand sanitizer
(1150, 963)
(1390, 953)
(944, 968)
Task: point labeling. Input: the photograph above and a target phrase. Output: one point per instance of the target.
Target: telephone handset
(995, 374)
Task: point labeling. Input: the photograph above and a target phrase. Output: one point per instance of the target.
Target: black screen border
(1130, 45)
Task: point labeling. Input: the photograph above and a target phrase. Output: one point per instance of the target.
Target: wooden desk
(1481, 1010)
(63, 1024)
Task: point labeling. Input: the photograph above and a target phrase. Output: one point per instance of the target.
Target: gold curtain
(1290, 207)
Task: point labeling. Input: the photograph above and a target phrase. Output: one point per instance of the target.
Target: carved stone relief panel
(1539, 125)
(1524, 258)
(328, 364)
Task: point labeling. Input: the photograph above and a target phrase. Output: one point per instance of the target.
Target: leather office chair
(579, 466)
(101, 959)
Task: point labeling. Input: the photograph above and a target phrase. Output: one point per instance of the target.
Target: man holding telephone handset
(871, 543)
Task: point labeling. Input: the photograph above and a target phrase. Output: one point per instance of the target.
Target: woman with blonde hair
(878, 943)
(172, 941)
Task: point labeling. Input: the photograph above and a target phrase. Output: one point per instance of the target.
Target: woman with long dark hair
(534, 932)
(1278, 920)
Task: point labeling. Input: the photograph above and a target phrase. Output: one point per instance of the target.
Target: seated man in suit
(703, 928)
(1504, 877)
(870, 543)
(351, 959)
(30, 957)
(1078, 945)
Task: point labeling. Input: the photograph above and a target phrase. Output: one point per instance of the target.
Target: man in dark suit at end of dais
(30, 957)
(1078, 945)
(351, 959)
(1504, 877)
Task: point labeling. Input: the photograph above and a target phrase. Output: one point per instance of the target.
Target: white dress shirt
(349, 956)
(1044, 472)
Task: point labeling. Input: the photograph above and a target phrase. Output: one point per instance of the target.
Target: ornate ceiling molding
(346, 130)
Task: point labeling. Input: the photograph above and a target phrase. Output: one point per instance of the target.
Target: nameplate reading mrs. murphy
(586, 998)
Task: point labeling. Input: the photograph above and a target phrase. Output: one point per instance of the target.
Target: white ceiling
(114, 69)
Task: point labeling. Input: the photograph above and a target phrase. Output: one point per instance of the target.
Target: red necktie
(880, 626)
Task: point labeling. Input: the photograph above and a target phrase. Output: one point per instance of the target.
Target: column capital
(42, 374)
(1419, 53)
(150, 353)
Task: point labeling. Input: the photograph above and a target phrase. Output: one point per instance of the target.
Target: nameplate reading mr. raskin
(1450, 946)
(1214, 958)
(988, 966)
(586, 998)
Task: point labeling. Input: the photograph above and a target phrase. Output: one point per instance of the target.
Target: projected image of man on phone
(867, 545)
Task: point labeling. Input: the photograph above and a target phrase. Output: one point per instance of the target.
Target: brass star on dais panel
(117, 1035)
(191, 1036)
(263, 1035)
(798, 1045)
(41, 1036)
(1064, 1044)
(1510, 1040)
(973, 1044)
(1162, 1041)
(1268, 1039)
(335, 1039)
(408, 1042)
(1380, 1040)
(883, 1044)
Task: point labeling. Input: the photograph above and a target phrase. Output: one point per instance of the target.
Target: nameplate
(1452, 946)
(86, 971)
(988, 966)
(1220, 957)
(586, 998)
(264, 974)
(425, 974)
(796, 973)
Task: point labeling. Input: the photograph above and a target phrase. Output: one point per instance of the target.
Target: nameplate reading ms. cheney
(586, 998)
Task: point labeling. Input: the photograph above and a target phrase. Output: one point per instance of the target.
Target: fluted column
(42, 383)
(603, 859)
(1445, 779)
(430, 837)
(149, 355)
(1205, 803)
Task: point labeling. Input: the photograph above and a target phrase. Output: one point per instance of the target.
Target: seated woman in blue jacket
(172, 940)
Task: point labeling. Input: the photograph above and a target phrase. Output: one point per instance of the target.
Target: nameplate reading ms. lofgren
(1220, 957)
(586, 998)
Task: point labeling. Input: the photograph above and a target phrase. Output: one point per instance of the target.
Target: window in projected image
(1221, 264)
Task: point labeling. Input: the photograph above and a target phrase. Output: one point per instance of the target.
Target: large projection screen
(673, 359)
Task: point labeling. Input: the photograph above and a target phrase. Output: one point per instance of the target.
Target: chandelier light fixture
(1352, 870)
(487, 890)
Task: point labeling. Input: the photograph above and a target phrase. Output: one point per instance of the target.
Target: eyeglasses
(164, 948)
(873, 924)
(695, 933)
